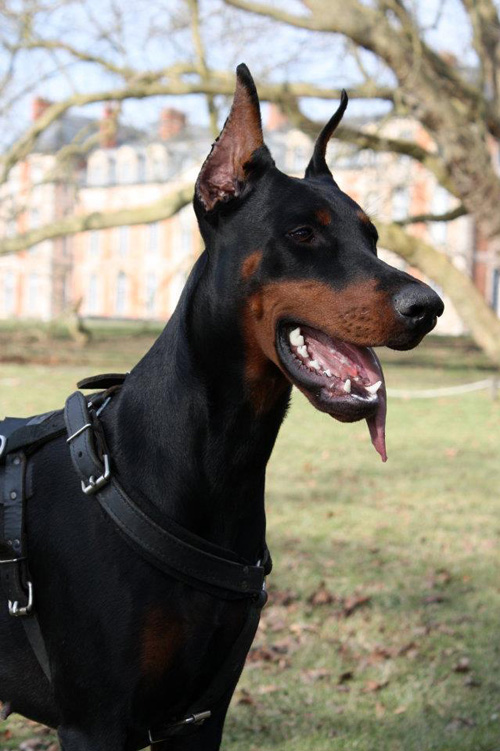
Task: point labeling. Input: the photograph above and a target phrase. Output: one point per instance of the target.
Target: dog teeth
(328, 373)
(302, 350)
(314, 364)
(374, 387)
(347, 386)
(296, 338)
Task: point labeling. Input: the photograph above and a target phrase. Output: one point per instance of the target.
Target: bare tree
(390, 46)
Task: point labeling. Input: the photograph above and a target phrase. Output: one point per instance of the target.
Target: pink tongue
(376, 423)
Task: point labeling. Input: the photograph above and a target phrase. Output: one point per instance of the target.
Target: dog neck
(185, 437)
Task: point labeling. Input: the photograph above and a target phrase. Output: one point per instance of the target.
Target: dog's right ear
(230, 165)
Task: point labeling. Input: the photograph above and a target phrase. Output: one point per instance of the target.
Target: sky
(149, 35)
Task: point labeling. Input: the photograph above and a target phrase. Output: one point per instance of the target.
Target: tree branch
(468, 301)
(377, 142)
(162, 209)
(448, 216)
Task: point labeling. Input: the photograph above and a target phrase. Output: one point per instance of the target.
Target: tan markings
(324, 217)
(250, 264)
(364, 217)
(161, 638)
(359, 314)
(265, 381)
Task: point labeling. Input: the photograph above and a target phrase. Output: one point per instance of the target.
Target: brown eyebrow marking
(250, 264)
(324, 217)
(364, 217)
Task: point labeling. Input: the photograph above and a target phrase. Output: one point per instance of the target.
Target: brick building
(137, 272)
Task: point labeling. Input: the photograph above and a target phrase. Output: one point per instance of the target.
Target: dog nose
(418, 304)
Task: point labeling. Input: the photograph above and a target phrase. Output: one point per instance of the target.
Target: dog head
(301, 258)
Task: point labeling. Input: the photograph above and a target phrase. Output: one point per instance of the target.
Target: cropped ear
(318, 167)
(229, 164)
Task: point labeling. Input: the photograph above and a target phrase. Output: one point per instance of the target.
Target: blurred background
(382, 627)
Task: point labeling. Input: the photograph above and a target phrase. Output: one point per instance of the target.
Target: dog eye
(301, 234)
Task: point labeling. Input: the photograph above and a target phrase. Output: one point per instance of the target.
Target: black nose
(418, 304)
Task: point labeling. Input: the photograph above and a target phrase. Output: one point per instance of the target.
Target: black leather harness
(168, 547)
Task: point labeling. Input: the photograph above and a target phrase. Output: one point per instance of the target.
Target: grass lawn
(382, 629)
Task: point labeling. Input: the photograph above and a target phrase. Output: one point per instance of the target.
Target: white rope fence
(465, 388)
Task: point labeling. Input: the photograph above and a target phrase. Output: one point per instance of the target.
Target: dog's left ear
(229, 165)
(318, 167)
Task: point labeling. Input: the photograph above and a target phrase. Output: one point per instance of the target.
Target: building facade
(138, 272)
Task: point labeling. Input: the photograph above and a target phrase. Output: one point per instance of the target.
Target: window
(93, 295)
(9, 293)
(151, 292)
(112, 171)
(176, 287)
(153, 237)
(141, 168)
(400, 203)
(123, 241)
(125, 172)
(32, 294)
(440, 204)
(299, 157)
(186, 228)
(121, 294)
(34, 218)
(495, 297)
(94, 243)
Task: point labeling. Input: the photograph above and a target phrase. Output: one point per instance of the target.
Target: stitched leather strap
(14, 574)
(189, 561)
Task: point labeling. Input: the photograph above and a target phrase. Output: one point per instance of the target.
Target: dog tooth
(328, 373)
(347, 386)
(302, 350)
(314, 364)
(296, 338)
(374, 387)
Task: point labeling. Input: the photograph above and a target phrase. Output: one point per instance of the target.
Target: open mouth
(339, 378)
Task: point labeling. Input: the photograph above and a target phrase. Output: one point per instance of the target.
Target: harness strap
(14, 573)
(215, 569)
(223, 683)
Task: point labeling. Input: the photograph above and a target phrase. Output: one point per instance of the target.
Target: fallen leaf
(322, 596)
(372, 686)
(354, 603)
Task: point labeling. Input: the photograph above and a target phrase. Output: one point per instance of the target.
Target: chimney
(108, 127)
(38, 107)
(172, 122)
(276, 118)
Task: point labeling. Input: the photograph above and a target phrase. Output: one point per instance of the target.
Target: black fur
(187, 443)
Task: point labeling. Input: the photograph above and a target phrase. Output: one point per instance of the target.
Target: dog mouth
(340, 378)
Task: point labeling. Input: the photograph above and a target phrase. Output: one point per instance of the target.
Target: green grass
(414, 542)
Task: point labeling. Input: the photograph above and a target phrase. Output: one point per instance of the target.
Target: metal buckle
(194, 719)
(3, 444)
(77, 432)
(16, 610)
(96, 483)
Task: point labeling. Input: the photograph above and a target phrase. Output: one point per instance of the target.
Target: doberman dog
(289, 291)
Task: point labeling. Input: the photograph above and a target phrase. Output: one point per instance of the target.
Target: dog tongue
(376, 423)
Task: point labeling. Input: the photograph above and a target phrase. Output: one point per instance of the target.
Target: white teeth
(374, 387)
(302, 350)
(347, 386)
(328, 373)
(296, 338)
(314, 364)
